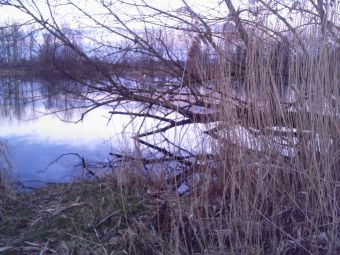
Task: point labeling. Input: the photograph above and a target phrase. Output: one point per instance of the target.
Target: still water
(41, 122)
(36, 137)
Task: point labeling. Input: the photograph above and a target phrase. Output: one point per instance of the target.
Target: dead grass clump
(276, 189)
(5, 165)
(5, 171)
(273, 185)
(82, 218)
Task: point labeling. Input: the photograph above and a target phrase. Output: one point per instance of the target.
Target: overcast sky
(72, 16)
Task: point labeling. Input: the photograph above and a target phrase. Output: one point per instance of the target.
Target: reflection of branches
(142, 115)
(166, 153)
(168, 141)
(170, 83)
(172, 125)
(81, 158)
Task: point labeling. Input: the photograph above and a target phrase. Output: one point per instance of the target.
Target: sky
(93, 35)
(69, 14)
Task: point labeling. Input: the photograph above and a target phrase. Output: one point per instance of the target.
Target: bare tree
(285, 41)
(269, 104)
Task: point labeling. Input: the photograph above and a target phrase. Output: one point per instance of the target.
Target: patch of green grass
(77, 215)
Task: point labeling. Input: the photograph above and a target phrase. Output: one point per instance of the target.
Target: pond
(37, 137)
(48, 135)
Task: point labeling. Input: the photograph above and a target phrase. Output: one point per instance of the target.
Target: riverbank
(137, 215)
(88, 217)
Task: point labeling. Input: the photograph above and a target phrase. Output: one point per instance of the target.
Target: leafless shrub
(268, 179)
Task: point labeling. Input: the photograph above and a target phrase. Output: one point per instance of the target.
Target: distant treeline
(35, 51)
(27, 50)
(30, 51)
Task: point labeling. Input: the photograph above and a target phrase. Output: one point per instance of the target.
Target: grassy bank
(95, 217)
(263, 179)
(105, 217)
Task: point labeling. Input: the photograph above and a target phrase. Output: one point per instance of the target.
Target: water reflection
(37, 138)
(39, 119)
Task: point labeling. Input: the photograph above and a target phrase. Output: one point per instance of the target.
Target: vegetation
(80, 218)
(260, 86)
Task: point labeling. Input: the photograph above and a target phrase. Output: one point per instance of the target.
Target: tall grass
(5, 172)
(5, 164)
(274, 186)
